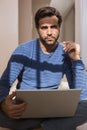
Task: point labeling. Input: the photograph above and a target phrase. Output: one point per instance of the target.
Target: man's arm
(75, 69)
(8, 77)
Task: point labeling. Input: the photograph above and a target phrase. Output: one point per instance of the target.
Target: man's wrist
(76, 58)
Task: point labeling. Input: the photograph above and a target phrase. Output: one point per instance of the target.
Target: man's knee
(82, 127)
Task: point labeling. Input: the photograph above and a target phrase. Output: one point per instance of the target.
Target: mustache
(49, 37)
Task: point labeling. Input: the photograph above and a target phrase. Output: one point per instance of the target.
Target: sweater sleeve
(79, 73)
(80, 78)
(77, 77)
(12, 71)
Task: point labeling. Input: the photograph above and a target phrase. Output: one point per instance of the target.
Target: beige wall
(25, 20)
(8, 30)
(69, 26)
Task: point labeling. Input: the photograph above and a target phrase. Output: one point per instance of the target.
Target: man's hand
(14, 111)
(73, 49)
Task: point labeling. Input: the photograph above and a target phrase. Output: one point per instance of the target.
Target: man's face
(48, 30)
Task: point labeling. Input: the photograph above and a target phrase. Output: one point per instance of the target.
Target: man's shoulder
(25, 48)
(29, 43)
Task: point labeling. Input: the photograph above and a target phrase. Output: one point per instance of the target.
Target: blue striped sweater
(37, 70)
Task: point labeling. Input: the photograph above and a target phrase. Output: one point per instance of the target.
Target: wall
(25, 20)
(69, 26)
(8, 30)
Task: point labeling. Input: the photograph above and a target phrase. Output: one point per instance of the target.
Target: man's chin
(50, 42)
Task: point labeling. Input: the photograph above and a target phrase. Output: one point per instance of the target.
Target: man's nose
(49, 31)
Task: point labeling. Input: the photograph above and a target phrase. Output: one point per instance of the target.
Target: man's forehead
(49, 20)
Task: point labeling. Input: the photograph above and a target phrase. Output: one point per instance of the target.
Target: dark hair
(47, 11)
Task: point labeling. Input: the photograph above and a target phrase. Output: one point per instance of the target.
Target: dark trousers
(64, 123)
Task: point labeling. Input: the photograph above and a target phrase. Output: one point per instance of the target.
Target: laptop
(49, 103)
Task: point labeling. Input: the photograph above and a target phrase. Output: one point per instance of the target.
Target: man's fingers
(17, 110)
(68, 46)
(64, 43)
(11, 96)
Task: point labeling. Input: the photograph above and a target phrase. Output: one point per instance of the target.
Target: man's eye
(44, 27)
(54, 26)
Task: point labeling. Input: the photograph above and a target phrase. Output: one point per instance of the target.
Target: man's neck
(48, 49)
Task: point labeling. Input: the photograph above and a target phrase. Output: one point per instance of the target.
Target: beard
(49, 43)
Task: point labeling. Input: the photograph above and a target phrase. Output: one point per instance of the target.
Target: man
(41, 64)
